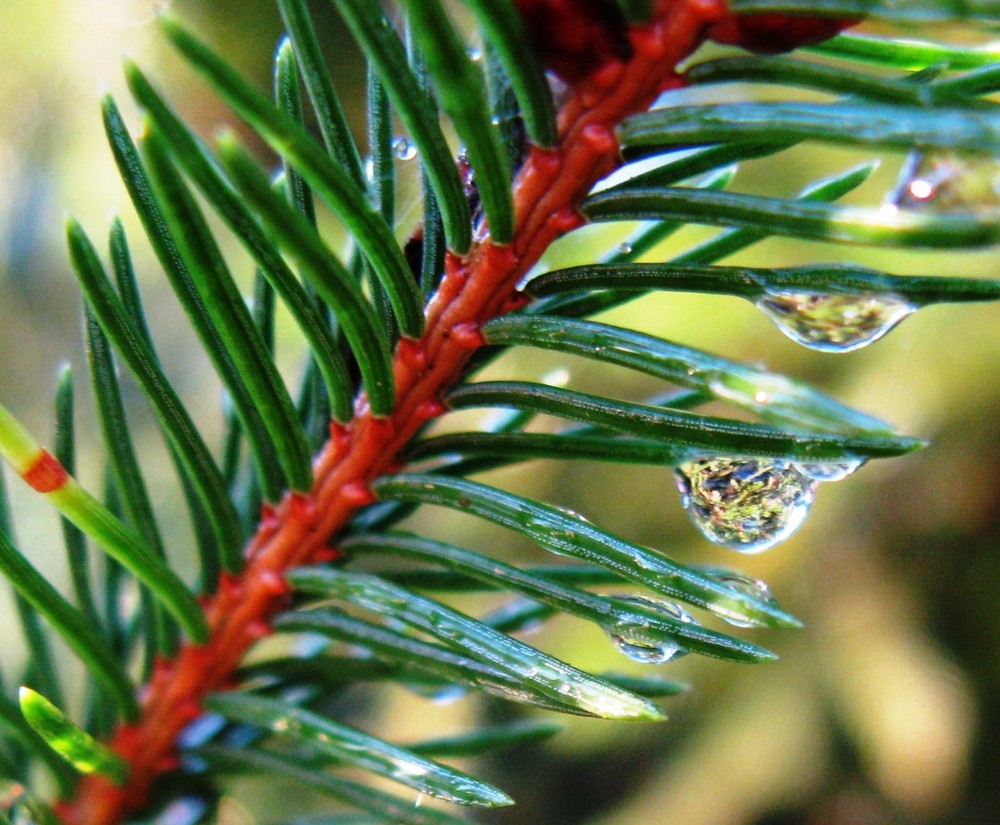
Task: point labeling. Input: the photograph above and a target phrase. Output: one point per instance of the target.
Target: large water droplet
(634, 643)
(747, 585)
(404, 148)
(947, 181)
(831, 470)
(834, 321)
(747, 504)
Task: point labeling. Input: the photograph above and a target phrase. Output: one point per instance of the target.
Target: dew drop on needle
(632, 637)
(404, 148)
(834, 321)
(830, 470)
(746, 504)
(748, 586)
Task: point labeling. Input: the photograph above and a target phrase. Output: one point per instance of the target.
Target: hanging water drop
(746, 504)
(834, 321)
(831, 470)
(624, 248)
(748, 586)
(404, 148)
(948, 181)
(630, 639)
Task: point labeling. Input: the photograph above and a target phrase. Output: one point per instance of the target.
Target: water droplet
(947, 181)
(369, 169)
(475, 53)
(631, 640)
(834, 322)
(624, 248)
(831, 470)
(404, 148)
(747, 504)
(747, 585)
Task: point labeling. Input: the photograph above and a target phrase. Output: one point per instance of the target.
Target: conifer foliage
(514, 121)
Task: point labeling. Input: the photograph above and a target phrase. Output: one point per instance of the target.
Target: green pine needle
(71, 742)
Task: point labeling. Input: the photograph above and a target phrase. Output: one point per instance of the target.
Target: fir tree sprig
(395, 334)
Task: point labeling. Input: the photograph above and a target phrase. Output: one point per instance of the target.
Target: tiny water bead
(630, 639)
(404, 148)
(748, 586)
(830, 471)
(834, 321)
(948, 181)
(746, 504)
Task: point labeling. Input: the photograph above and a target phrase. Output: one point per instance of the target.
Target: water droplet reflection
(746, 504)
(834, 322)
(832, 470)
(630, 639)
(748, 586)
(404, 148)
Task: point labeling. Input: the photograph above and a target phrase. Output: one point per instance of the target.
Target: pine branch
(476, 287)
(387, 365)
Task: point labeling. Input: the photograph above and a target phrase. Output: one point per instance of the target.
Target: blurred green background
(885, 709)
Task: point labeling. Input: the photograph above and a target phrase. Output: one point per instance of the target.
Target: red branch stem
(475, 288)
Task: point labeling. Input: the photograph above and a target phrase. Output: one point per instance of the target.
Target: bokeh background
(884, 710)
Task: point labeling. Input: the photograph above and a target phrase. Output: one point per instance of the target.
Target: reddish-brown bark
(612, 73)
